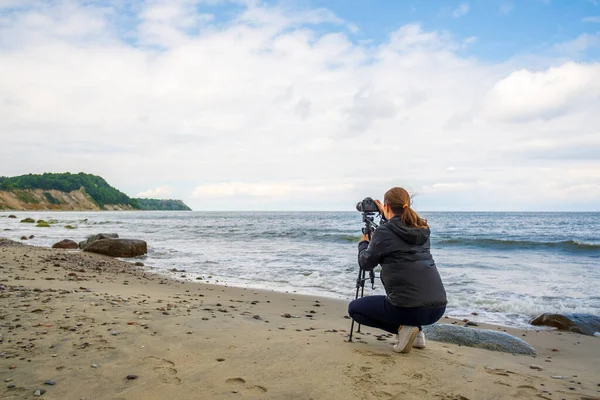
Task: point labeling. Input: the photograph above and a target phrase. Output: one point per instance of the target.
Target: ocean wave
(487, 243)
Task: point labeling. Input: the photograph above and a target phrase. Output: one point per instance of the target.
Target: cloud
(262, 107)
(461, 10)
(528, 95)
(593, 19)
(268, 189)
(162, 192)
(578, 45)
(506, 8)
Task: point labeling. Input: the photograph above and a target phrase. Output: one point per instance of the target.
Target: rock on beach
(479, 338)
(118, 247)
(65, 244)
(585, 324)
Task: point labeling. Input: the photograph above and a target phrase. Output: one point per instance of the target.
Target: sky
(477, 105)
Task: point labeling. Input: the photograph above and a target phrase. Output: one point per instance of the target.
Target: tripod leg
(362, 292)
(359, 283)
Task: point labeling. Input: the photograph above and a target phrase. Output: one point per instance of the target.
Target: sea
(499, 268)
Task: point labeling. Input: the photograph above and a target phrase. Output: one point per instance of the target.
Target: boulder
(118, 247)
(65, 244)
(585, 324)
(93, 238)
(12, 216)
(479, 338)
(28, 220)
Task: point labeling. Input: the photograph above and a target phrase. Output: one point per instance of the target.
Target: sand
(88, 322)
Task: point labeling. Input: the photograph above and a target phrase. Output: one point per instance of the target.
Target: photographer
(415, 294)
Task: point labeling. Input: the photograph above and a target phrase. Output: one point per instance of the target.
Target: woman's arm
(370, 253)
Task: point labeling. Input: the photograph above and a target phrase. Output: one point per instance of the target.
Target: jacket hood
(418, 236)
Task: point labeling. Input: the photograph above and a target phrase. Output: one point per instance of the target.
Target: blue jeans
(378, 312)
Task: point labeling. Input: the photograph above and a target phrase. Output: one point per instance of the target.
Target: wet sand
(88, 322)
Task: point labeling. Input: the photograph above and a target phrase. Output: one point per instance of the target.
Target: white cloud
(266, 111)
(529, 95)
(162, 192)
(506, 8)
(268, 189)
(593, 19)
(461, 10)
(578, 45)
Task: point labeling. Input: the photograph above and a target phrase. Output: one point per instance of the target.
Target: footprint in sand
(240, 384)
(164, 368)
(526, 392)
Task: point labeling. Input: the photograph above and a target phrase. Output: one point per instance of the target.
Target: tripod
(370, 225)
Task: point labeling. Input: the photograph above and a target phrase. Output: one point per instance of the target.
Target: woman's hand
(365, 237)
(379, 206)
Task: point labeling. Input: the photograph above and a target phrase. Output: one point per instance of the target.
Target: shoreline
(521, 321)
(88, 321)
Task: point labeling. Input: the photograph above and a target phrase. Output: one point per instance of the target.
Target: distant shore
(88, 322)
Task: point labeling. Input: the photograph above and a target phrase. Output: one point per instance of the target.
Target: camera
(367, 205)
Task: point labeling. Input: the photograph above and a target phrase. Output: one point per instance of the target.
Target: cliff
(38, 199)
(72, 192)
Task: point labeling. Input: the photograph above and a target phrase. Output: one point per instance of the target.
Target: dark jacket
(408, 271)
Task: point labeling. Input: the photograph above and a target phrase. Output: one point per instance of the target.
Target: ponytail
(399, 201)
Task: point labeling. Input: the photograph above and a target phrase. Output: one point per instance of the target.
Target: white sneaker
(406, 337)
(419, 342)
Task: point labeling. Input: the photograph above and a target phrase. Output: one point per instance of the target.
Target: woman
(415, 294)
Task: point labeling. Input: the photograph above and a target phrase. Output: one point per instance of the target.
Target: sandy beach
(99, 328)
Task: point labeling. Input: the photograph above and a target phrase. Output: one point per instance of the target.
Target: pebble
(132, 377)
(10, 379)
(114, 333)
(11, 386)
(12, 366)
(94, 365)
(39, 392)
(50, 382)
(54, 355)
(561, 377)
(257, 317)
(537, 367)
(220, 359)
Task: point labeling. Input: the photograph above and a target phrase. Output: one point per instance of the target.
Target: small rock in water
(257, 317)
(139, 264)
(536, 367)
(50, 382)
(220, 359)
(132, 377)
